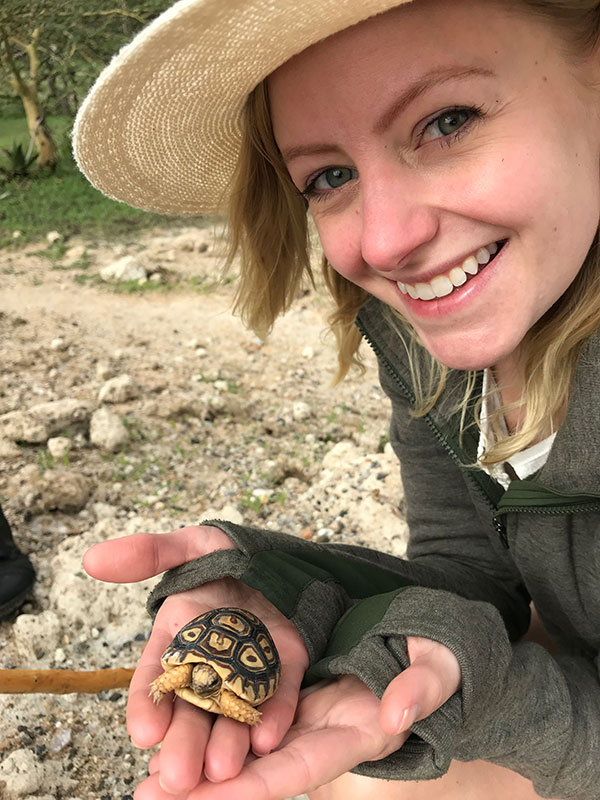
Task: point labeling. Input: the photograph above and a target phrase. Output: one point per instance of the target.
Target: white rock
(17, 234)
(9, 449)
(58, 415)
(105, 370)
(73, 254)
(229, 513)
(308, 352)
(53, 236)
(22, 771)
(35, 633)
(58, 344)
(18, 426)
(340, 455)
(301, 411)
(128, 268)
(56, 489)
(107, 430)
(119, 390)
(117, 610)
(156, 277)
(59, 446)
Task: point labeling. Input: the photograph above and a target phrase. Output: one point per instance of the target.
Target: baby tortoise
(223, 661)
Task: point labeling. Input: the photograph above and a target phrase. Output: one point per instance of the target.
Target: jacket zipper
(498, 524)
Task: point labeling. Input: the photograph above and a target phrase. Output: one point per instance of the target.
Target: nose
(398, 218)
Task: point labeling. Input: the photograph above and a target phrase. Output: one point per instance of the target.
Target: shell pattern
(237, 645)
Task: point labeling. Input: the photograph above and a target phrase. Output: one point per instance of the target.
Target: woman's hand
(336, 726)
(196, 742)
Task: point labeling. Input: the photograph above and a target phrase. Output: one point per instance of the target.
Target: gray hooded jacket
(477, 557)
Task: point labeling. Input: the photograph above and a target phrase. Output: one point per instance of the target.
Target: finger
(150, 789)
(278, 712)
(227, 749)
(154, 763)
(312, 760)
(183, 747)
(147, 721)
(431, 679)
(143, 555)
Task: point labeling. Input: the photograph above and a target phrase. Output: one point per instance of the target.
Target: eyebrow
(428, 81)
(433, 78)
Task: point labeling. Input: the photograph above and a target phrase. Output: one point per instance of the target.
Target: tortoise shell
(237, 645)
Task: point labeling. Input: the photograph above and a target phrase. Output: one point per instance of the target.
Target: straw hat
(160, 128)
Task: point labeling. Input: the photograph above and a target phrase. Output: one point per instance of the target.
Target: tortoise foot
(175, 678)
(236, 708)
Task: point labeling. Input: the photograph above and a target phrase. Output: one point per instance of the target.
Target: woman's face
(436, 138)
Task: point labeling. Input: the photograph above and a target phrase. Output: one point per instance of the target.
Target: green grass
(63, 201)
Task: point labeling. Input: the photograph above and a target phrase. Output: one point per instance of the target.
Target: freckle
(545, 79)
(554, 229)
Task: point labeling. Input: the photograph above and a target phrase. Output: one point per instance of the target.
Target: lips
(447, 282)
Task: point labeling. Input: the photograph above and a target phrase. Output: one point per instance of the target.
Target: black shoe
(16, 581)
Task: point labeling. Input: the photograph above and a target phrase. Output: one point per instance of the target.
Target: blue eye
(449, 124)
(329, 180)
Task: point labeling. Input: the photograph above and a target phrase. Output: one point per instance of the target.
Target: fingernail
(408, 718)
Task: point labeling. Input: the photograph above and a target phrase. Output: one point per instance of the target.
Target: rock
(53, 236)
(301, 411)
(18, 426)
(61, 739)
(107, 430)
(105, 370)
(59, 447)
(340, 455)
(119, 390)
(55, 490)
(128, 268)
(36, 634)
(22, 772)
(229, 513)
(117, 610)
(58, 344)
(58, 415)
(74, 254)
(9, 449)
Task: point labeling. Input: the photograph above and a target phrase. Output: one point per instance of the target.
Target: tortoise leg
(236, 708)
(174, 678)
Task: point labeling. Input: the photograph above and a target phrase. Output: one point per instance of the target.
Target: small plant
(18, 163)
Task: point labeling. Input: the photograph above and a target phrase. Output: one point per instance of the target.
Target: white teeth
(482, 256)
(424, 291)
(458, 276)
(443, 285)
(471, 265)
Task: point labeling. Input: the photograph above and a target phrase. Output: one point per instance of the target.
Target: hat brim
(160, 128)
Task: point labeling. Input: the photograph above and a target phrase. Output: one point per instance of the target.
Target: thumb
(144, 555)
(432, 678)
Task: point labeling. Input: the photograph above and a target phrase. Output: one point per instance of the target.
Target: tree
(51, 51)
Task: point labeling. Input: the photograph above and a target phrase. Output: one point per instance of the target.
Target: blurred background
(51, 51)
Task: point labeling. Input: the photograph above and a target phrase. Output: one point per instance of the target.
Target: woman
(448, 153)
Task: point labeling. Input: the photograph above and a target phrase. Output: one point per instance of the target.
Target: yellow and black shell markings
(223, 661)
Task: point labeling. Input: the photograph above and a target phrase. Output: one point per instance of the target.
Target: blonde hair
(269, 230)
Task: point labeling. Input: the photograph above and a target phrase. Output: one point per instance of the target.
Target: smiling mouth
(448, 282)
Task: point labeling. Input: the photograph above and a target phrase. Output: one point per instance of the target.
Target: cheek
(340, 240)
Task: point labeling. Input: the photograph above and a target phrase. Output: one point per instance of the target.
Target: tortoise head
(205, 680)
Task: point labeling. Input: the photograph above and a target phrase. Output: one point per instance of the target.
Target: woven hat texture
(160, 128)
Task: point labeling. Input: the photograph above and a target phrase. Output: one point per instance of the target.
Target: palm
(177, 725)
(336, 728)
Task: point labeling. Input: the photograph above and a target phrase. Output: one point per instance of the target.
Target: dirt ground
(212, 422)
